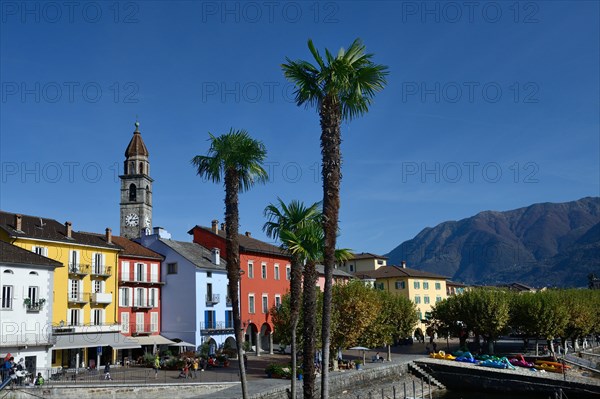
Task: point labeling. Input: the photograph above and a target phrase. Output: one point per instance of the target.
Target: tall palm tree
(236, 159)
(282, 220)
(341, 87)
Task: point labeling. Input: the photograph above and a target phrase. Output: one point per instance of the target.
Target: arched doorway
(266, 338)
(250, 335)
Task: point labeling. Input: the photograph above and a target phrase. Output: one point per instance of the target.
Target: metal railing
(212, 298)
(101, 271)
(79, 269)
(150, 279)
(35, 306)
(78, 297)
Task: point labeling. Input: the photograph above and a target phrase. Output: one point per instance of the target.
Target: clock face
(132, 220)
(147, 221)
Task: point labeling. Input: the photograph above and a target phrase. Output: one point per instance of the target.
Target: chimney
(403, 263)
(215, 226)
(18, 222)
(109, 235)
(69, 230)
(216, 256)
(248, 234)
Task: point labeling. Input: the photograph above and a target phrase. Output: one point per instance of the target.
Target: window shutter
(93, 260)
(154, 322)
(130, 296)
(125, 271)
(154, 272)
(68, 317)
(125, 322)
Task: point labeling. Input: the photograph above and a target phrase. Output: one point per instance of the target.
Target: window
(140, 297)
(438, 299)
(209, 319)
(125, 271)
(400, 285)
(154, 322)
(425, 285)
(153, 300)
(265, 304)
(379, 286)
(351, 268)
(139, 271)
(32, 294)
(74, 317)
(98, 264)
(288, 272)
(229, 319)
(33, 273)
(97, 286)
(139, 322)
(124, 297)
(7, 293)
(426, 299)
(9, 272)
(251, 303)
(417, 299)
(40, 250)
(97, 319)
(74, 293)
(417, 285)
(208, 274)
(171, 268)
(263, 271)
(277, 301)
(125, 322)
(132, 192)
(379, 262)
(438, 286)
(250, 270)
(419, 315)
(276, 271)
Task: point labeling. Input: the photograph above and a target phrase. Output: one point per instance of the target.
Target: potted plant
(273, 370)
(358, 364)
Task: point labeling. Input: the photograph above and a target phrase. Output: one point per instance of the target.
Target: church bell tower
(136, 189)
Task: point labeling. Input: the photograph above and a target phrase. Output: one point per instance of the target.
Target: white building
(26, 281)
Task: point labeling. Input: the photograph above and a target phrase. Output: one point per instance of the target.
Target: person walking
(156, 366)
(107, 372)
(195, 367)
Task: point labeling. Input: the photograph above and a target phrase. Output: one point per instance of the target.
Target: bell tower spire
(136, 188)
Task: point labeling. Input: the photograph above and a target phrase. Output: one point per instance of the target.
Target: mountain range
(544, 244)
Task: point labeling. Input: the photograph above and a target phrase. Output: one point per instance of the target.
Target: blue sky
(491, 106)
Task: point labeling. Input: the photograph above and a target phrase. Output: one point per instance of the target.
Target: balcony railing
(101, 297)
(78, 297)
(151, 279)
(216, 325)
(211, 299)
(80, 327)
(101, 271)
(228, 301)
(35, 306)
(142, 303)
(77, 269)
(141, 329)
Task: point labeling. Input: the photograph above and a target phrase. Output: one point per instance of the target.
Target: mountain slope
(542, 244)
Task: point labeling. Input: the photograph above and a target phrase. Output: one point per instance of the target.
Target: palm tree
(236, 159)
(341, 87)
(282, 220)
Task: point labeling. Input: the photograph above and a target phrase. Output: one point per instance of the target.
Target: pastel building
(195, 306)
(264, 280)
(27, 282)
(84, 298)
(339, 277)
(363, 262)
(423, 288)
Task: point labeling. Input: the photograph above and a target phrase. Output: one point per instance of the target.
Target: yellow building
(423, 288)
(85, 327)
(363, 262)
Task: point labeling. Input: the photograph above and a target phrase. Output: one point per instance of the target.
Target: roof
(12, 254)
(194, 253)
(398, 271)
(248, 244)
(455, 284)
(132, 248)
(136, 145)
(367, 255)
(336, 272)
(36, 227)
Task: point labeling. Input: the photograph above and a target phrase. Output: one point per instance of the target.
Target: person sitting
(39, 380)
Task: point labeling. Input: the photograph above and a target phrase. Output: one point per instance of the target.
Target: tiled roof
(195, 253)
(336, 272)
(49, 229)
(398, 271)
(12, 254)
(367, 255)
(136, 145)
(455, 284)
(249, 244)
(132, 248)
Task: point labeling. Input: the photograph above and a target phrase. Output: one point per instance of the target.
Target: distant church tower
(136, 188)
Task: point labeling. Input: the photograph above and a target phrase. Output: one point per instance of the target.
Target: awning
(152, 340)
(90, 340)
(183, 344)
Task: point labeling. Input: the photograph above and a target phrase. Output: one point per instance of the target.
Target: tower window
(141, 168)
(132, 192)
(132, 167)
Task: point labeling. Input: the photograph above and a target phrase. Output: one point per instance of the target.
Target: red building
(264, 280)
(140, 285)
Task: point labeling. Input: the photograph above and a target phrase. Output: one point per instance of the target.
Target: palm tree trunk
(309, 300)
(295, 298)
(330, 114)
(233, 265)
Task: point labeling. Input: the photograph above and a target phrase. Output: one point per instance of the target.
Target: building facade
(363, 262)
(195, 306)
(26, 283)
(264, 280)
(84, 311)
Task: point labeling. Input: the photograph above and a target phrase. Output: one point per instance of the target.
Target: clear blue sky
(494, 106)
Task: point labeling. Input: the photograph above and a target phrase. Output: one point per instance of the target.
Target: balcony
(101, 271)
(228, 301)
(78, 270)
(152, 279)
(35, 306)
(76, 328)
(216, 327)
(142, 329)
(141, 303)
(103, 298)
(212, 299)
(77, 297)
